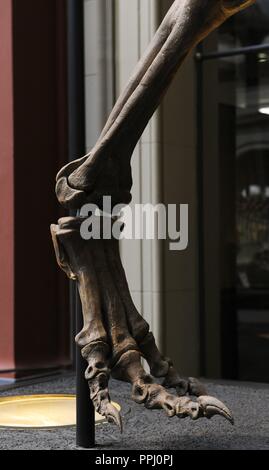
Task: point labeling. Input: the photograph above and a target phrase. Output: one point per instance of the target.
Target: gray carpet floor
(149, 430)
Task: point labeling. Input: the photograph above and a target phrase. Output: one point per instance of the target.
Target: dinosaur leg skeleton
(115, 336)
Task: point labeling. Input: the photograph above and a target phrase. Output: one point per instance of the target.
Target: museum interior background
(63, 63)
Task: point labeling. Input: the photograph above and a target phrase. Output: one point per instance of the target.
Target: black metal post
(76, 128)
(248, 50)
(85, 408)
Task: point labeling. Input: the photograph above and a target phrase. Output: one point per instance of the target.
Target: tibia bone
(106, 169)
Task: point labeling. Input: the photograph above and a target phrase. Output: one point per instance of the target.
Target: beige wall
(99, 66)
(136, 22)
(179, 186)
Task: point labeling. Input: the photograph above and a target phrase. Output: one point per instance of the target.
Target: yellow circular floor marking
(41, 411)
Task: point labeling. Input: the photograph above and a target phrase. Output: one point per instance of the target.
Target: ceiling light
(264, 110)
(263, 57)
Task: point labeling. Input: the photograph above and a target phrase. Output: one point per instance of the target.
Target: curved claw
(113, 416)
(210, 406)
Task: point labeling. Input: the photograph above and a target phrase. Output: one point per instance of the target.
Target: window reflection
(236, 153)
(244, 85)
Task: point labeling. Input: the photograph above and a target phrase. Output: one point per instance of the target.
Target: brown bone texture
(115, 337)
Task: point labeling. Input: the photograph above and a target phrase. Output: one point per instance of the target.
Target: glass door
(234, 147)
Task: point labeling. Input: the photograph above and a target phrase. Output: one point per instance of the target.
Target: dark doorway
(234, 128)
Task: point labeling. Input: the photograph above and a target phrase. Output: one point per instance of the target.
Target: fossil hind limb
(115, 336)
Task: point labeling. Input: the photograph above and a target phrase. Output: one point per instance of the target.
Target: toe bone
(210, 406)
